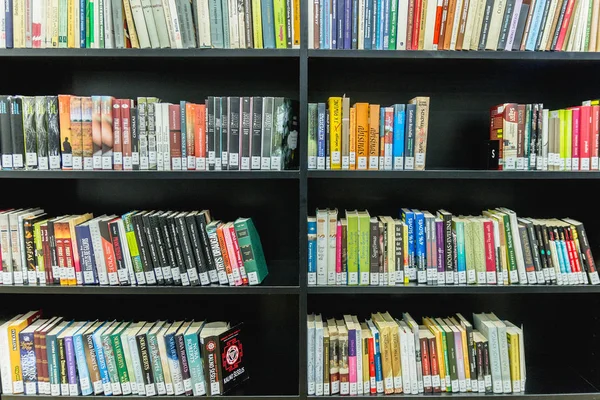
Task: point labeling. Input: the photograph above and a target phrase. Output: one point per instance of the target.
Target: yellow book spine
(54, 23)
(71, 24)
(515, 359)
(353, 138)
(440, 353)
(133, 38)
(374, 136)
(257, 24)
(563, 137)
(422, 17)
(362, 135)
(18, 24)
(568, 138)
(296, 30)
(15, 355)
(280, 21)
(335, 132)
(365, 363)
(396, 366)
(465, 348)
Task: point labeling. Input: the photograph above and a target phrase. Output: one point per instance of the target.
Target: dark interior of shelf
(462, 93)
(258, 313)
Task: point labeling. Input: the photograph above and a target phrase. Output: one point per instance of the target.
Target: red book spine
(126, 133)
(117, 136)
(576, 133)
(109, 255)
(372, 366)
(443, 23)
(425, 365)
(225, 254)
(573, 257)
(175, 136)
(438, 24)
(47, 257)
(435, 373)
(584, 137)
(565, 25)
(595, 137)
(70, 263)
(60, 255)
(416, 24)
(490, 253)
(238, 255)
(36, 28)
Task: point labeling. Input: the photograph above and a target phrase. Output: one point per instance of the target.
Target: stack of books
(137, 248)
(60, 357)
(536, 25)
(387, 355)
(367, 136)
(157, 24)
(531, 137)
(104, 133)
(495, 248)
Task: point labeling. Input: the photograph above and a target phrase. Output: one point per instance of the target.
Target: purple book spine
(347, 24)
(439, 230)
(71, 365)
(340, 23)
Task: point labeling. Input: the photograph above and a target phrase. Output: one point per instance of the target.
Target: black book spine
(374, 243)
(267, 132)
(115, 239)
(538, 41)
(188, 255)
(289, 21)
(41, 127)
(535, 252)
(246, 129)
(5, 134)
(520, 27)
(508, 14)
(30, 133)
(177, 249)
(256, 139)
(471, 353)
(224, 132)
(450, 340)
(234, 133)
(546, 238)
(487, 373)
(448, 247)
(146, 362)
(211, 352)
(218, 131)
(210, 132)
(62, 364)
(169, 249)
(183, 364)
(542, 252)
(53, 132)
(135, 137)
(140, 236)
(152, 250)
(485, 28)
(480, 368)
(161, 249)
(399, 256)
(53, 255)
(526, 249)
(210, 260)
(196, 245)
(586, 252)
(248, 21)
(16, 130)
(561, 17)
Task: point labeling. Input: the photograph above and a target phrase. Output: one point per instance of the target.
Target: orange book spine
(373, 136)
(200, 136)
(296, 38)
(225, 254)
(64, 115)
(190, 119)
(362, 135)
(438, 23)
(449, 24)
(353, 138)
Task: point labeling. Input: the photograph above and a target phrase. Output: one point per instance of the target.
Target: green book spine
(446, 361)
(155, 362)
(251, 249)
(111, 364)
(89, 23)
(352, 247)
(470, 252)
(101, 25)
(134, 252)
(62, 23)
(479, 241)
(393, 22)
(120, 360)
(510, 249)
(280, 23)
(192, 350)
(364, 249)
(588, 27)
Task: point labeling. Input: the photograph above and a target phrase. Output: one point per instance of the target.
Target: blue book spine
(398, 146)
(82, 368)
(321, 123)
(380, 23)
(354, 24)
(8, 11)
(192, 350)
(420, 249)
(460, 240)
(312, 252)
(322, 24)
(368, 30)
(341, 23)
(381, 137)
(386, 24)
(378, 366)
(347, 24)
(82, 8)
(409, 219)
(86, 255)
(327, 25)
(184, 135)
(536, 22)
(225, 12)
(71, 366)
(102, 364)
(173, 361)
(564, 258)
(374, 24)
(28, 363)
(334, 24)
(268, 24)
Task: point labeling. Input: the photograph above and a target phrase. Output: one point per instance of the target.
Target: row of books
(389, 355)
(104, 133)
(534, 138)
(236, 24)
(532, 25)
(60, 357)
(137, 248)
(495, 248)
(367, 136)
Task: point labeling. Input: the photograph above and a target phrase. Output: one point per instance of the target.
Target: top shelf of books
(456, 55)
(152, 53)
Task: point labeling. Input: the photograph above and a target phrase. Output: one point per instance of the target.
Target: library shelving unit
(561, 323)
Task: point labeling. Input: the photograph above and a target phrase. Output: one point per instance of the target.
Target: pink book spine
(575, 134)
(595, 136)
(338, 254)
(235, 268)
(352, 361)
(490, 253)
(584, 139)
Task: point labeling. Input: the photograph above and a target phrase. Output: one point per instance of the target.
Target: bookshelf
(462, 86)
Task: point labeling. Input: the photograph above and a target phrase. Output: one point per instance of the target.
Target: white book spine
(37, 10)
(109, 28)
(495, 24)
(76, 27)
(234, 29)
(310, 373)
(137, 365)
(401, 24)
(430, 24)
(495, 363)
(5, 373)
(161, 23)
(319, 359)
(359, 363)
(545, 128)
(98, 253)
(361, 23)
(404, 382)
(175, 24)
(137, 12)
(412, 359)
(311, 31)
(3, 25)
(166, 142)
(469, 23)
(150, 25)
(504, 359)
(203, 28)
